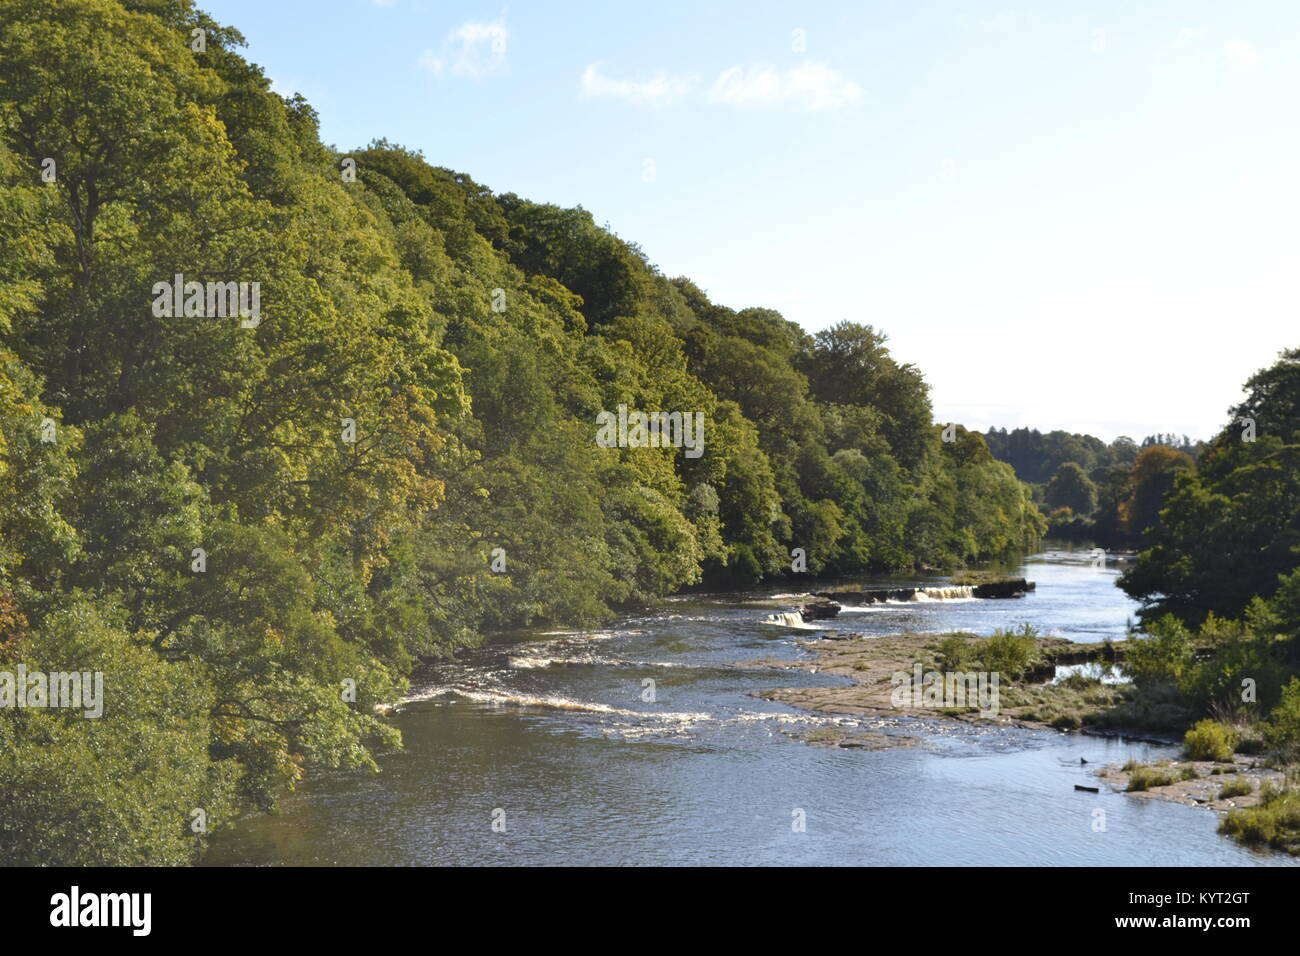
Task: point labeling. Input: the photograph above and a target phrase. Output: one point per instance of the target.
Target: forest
(1109, 494)
(255, 526)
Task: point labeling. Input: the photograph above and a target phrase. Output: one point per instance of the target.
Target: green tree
(1149, 483)
(1071, 488)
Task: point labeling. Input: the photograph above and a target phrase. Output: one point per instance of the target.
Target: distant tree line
(1109, 493)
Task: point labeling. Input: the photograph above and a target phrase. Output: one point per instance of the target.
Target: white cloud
(660, 90)
(1241, 54)
(472, 49)
(1186, 36)
(813, 86)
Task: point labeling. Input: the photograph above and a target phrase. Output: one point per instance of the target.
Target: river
(547, 736)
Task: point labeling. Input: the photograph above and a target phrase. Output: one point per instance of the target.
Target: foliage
(1230, 528)
(1209, 740)
(1275, 822)
(274, 522)
(1160, 656)
(1071, 488)
(1009, 652)
(1236, 788)
(1145, 778)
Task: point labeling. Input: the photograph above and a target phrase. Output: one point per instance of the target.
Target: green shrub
(954, 653)
(1010, 653)
(1162, 655)
(1217, 682)
(1210, 740)
(1235, 788)
(1144, 778)
(1283, 730)
(1275, 822)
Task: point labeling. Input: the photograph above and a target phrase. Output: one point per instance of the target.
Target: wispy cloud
(812, 86)
(1241, 54)
(472, 49)
(661, 89)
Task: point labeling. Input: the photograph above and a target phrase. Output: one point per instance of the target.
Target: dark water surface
(551, 728)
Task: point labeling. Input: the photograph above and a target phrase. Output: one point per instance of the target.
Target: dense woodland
(470, 339)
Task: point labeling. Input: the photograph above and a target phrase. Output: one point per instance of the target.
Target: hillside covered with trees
(255, 523)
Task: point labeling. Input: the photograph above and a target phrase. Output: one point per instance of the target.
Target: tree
(1071, 488)
(1230, 528)
(1151, 480)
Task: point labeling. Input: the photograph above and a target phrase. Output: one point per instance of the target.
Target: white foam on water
(508, 699)
(530, 663)
(792, 620)
(956, 592)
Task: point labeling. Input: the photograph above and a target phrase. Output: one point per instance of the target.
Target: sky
(1067, 215)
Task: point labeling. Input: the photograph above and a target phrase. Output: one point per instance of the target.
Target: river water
(547, 736)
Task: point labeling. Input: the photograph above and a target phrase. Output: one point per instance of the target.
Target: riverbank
(1027, 699)
(1216, 785)
(1252, 800)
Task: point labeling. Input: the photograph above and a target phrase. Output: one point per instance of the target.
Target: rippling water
(550, 732)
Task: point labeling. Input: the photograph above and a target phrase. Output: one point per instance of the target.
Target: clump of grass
(1210, 740)
(1160, 708)
(1130, 766)
(1275, 822)
(1144, 778)
(1235, 788)
(1187, 772)
(1059, 705)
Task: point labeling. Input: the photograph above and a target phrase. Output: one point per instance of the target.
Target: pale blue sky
(1077, 216)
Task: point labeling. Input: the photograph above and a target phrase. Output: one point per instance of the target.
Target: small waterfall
(787, 619)
(954, 593)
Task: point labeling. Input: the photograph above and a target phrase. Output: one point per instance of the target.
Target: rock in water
(819, 610)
